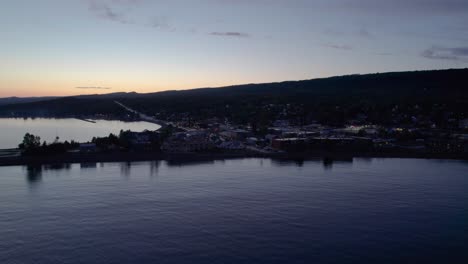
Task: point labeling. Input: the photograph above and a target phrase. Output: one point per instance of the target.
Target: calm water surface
(12, 130)
(236, 211)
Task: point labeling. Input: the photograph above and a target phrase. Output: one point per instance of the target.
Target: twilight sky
(67, 47)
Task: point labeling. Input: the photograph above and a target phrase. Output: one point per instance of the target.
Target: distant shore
(153, 156)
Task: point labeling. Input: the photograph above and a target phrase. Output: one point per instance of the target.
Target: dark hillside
(334, 99)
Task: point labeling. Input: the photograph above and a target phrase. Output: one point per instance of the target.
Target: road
(142, 116)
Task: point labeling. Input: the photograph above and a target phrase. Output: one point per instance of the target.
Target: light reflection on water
(34, 172)
(236, 211)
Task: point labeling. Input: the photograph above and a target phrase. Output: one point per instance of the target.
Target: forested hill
(343, 96)
(18, 100)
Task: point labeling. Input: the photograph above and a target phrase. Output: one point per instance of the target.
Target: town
(281, 138)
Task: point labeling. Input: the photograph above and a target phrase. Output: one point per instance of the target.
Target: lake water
(236, 211)
(12, 130)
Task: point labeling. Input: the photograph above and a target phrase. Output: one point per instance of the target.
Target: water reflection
(365, 160)
(89, 165)
(57, 167)
(299, 162)
(33, 174)
(288, 162)
(326, 162)
(269, 214)
(189, 162)
(154, 167)
(125, 168)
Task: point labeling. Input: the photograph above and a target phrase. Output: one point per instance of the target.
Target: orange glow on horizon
(62, 85)
(59, 90)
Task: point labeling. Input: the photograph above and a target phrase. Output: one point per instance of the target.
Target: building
(340, 143)
(289, 144)
(463, 124)
(231, 145)
(187, 145)
(235, 134)
(88, 148)
(453, 145)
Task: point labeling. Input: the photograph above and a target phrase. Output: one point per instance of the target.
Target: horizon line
(232, 85)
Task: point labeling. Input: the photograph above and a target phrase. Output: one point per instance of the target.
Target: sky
(69, 47)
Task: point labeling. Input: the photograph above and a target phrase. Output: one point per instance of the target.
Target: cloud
(105, 11)
(412, 7)
(364, 33)
(109, 10)
(93, 88)
(118, 11)
(388, 7)
(383, 53)
(162, 23)
(361, 33)
(333, 32)
(441, 53)
(337, 46)
(230, 34)
(128, 2)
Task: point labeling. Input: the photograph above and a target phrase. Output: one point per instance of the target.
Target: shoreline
(69, 158)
